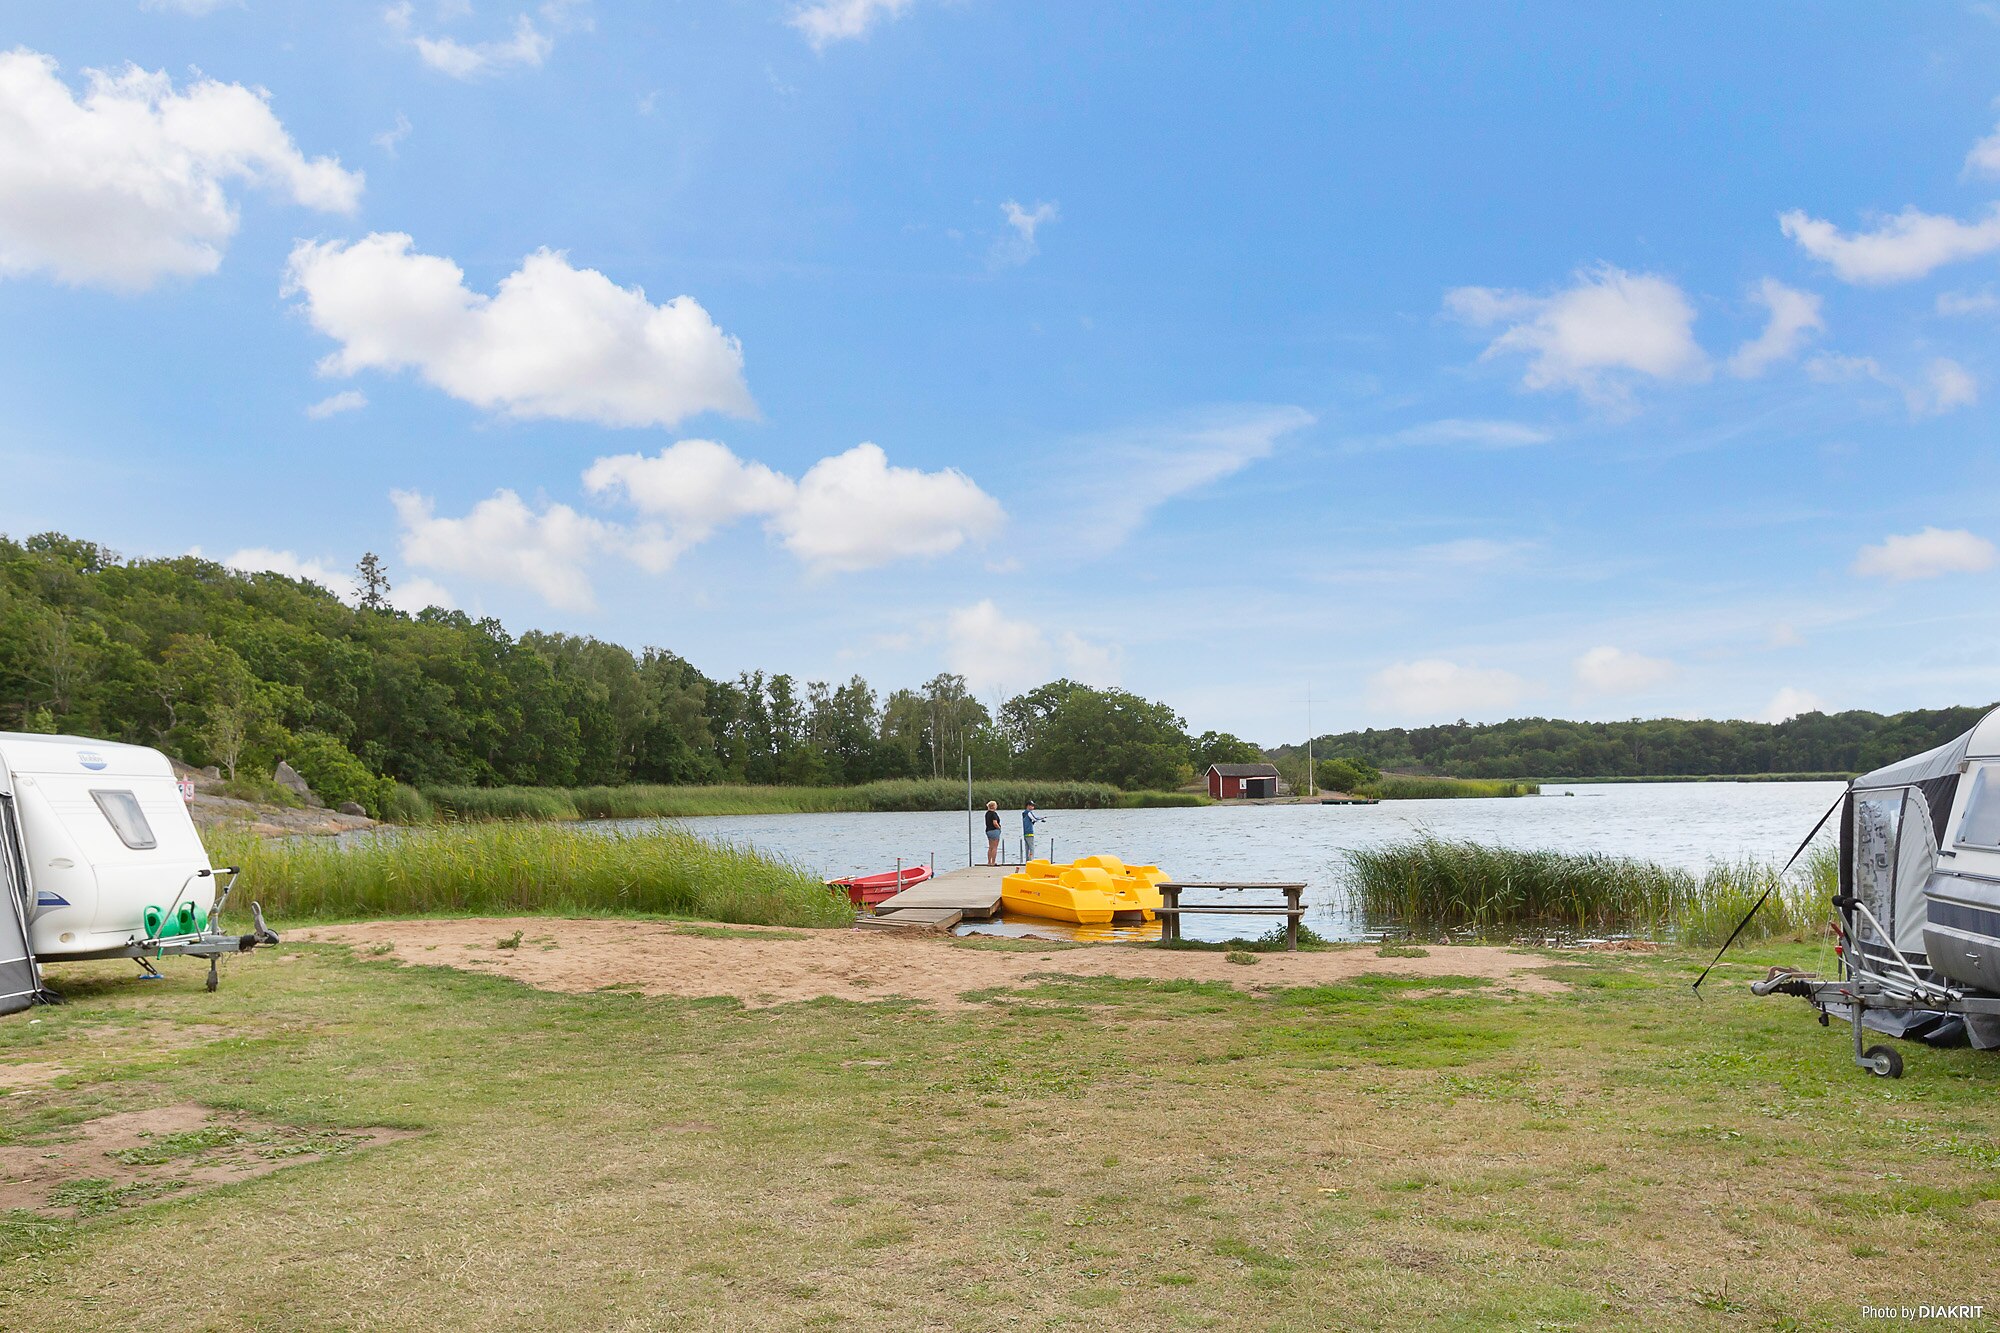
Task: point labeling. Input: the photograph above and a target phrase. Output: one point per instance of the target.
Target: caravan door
(20, 978)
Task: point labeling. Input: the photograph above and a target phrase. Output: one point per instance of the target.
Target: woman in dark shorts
(992, 833)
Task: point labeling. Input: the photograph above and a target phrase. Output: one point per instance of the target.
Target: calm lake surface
(1676, 823)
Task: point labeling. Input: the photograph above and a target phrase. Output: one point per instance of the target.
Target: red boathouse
(1230, 782)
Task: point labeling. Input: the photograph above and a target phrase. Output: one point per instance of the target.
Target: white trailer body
(112, 863)
(107, 835)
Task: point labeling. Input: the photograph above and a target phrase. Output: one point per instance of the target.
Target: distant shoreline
(1697, 777)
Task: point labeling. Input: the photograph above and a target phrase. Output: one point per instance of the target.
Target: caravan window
(1980, 825)
(127, 819)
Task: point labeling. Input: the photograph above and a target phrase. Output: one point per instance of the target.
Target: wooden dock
(941, 902)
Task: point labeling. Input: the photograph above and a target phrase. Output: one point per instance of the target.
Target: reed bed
(1406, 787)
(638, 801)
(513, 868)
(1435, 883)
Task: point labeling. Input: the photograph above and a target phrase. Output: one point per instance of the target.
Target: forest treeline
(238, 670)
(1548, 748)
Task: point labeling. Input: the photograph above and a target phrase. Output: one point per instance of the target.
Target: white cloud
(697, 486)
(349, 400)
(1926, 554)
(1967, 303)
(528, 46)
(553, 341)
(1459, 430)
(1795, 316)
(855, 511)
(828, 21)
(1589, 336)
(1089, 663)
(1607, 670)
(1433, 688)
(1830, 367)
(131, 183)
(405, 593)
(1788, 703)
(851, 511)
(996, 652)
(390, 139)
(1984, 158)
(1906, 246)
(502, 540)
(1947, 386)
(1120, 478)
(1025, 223)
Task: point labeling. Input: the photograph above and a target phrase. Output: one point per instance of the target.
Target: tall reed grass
(1431, 882)
(513, 868)
(1406, 787)
(651, 802)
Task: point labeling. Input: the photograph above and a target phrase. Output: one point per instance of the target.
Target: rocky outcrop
(271, 821)
(288, 777)
(351, 808)
(204, 779)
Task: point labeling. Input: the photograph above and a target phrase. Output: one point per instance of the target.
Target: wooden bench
(1170, 910)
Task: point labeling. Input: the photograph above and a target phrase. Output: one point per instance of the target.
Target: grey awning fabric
(1938, 763)
(20, 979)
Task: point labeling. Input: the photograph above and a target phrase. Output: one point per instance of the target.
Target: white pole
(969, 848)
(1312, 788)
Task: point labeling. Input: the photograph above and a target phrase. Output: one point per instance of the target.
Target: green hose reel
(186, 919)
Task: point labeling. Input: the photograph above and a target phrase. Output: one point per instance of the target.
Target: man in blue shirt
(1028, 821)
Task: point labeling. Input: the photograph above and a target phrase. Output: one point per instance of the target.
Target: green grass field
(1074, 1152)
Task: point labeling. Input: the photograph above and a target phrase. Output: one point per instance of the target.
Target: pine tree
(374, 582)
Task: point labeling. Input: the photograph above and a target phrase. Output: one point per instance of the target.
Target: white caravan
(100, 859)
(1918, 912)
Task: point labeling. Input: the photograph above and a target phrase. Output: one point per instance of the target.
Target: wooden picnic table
(1171, 911)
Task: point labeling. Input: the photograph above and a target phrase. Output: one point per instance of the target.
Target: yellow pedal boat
(1091, 890)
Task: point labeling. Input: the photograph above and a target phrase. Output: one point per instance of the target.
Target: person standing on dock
(992, 833)
(1028, 821)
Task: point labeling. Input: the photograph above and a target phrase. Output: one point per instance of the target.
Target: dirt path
(777, 967)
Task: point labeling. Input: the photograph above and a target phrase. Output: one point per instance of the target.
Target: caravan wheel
(1883, 1061)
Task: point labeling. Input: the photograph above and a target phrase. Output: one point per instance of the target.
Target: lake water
(1675, 823)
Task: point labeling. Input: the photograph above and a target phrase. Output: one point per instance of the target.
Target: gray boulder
(351, 808)
(288, 777)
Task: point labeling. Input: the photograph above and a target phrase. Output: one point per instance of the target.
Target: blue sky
(1439, 365)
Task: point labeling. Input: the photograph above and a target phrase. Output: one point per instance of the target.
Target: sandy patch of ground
(777, 967)
(134, 1156)
(21, 1077)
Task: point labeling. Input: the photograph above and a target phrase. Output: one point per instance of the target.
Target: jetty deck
(968, 894)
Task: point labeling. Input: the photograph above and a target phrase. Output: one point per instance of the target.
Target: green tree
(232, 710)
(372, 580)
(1346, 775)
(1219, 747)
(1116, 737)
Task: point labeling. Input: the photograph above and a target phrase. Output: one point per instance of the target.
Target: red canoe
(867, 890)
